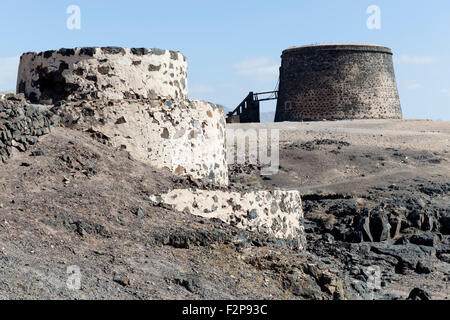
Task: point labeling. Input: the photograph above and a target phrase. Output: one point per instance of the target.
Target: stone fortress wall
(136, 99)
(102, 73)
(336, 82)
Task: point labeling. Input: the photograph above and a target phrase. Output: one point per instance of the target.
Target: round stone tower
(102, 73)
(336, 82)
(136, 99)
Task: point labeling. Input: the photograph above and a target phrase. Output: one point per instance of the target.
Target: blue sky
(234, 47)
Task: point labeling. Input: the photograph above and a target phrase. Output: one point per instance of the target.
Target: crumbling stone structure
(276, 212)
(102, 73)
(337, 81)
(136, 100)
(21, 124)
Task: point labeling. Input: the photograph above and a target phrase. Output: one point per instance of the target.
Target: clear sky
(234, 47)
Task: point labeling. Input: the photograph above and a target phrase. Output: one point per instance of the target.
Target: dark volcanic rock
(429, 239)
(122, 280)
(21, 124)
(425, 266)
(191, 283)
(37, 153)
(445, 221)
(419, 294)
(362, 225)
(408, 255)
(379, 226)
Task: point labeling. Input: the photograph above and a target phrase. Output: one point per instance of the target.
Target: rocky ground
(375, 197)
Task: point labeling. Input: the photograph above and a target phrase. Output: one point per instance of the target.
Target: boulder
(419, 294)
(429, 239)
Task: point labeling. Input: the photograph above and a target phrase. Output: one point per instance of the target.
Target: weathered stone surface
(96, 73)
(187, 137)
(21, 123)
(337, 82)
(137, 100)
(419, 294)
(277, 213)
(429, 239)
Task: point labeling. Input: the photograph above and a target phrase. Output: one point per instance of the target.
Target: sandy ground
(407, 134)
(378, 150)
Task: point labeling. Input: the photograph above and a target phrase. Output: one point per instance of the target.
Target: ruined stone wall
(102, 73)
(335, 82)
(137, 99)
(21, 124)
(185, 137)
(277, 213)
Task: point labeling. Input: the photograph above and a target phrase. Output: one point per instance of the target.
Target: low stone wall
(21, 124)
(97, 73)
(186, 137)
(277, 213)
